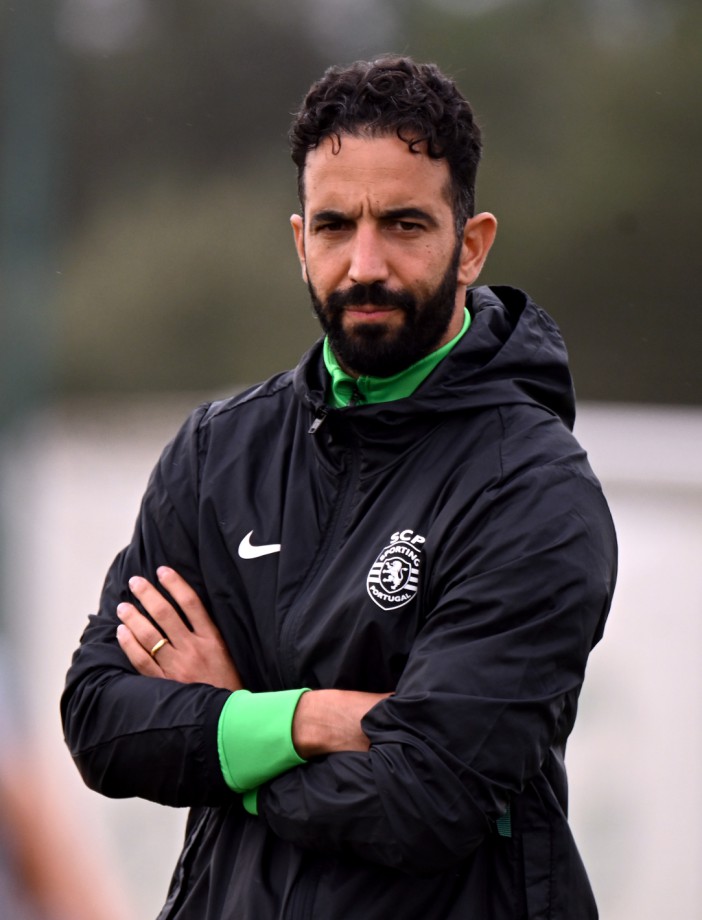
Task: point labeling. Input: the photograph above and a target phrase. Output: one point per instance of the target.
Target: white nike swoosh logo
(247, 551)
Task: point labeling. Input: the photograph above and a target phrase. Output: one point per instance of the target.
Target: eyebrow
(329, 215)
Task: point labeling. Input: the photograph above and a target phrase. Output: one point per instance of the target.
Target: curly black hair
(390, 95)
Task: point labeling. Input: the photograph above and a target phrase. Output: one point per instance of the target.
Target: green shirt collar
(367, 390)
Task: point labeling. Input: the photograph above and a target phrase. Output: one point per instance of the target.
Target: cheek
(424, 265)
(324, 272)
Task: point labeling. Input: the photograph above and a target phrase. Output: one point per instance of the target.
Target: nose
(368, 262)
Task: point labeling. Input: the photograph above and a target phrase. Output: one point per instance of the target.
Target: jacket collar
(514, 354)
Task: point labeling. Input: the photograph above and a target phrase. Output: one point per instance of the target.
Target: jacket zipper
(340, 503)
(320, 414)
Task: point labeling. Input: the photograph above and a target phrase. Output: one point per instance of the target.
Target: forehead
(344, 172)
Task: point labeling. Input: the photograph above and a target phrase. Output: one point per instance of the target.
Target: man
(356, 612)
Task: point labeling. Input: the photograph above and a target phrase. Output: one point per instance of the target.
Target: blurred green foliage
(175, 261)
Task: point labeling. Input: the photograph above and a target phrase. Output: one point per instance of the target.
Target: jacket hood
(513, 353)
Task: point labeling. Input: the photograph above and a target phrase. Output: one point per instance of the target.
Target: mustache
(375, 294)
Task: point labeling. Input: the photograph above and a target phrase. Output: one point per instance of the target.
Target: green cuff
(250, 801)
(254, 737)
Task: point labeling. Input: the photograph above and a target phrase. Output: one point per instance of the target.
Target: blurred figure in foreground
(48, 866)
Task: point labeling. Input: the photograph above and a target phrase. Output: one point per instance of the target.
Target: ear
(478, 236)
(298, 227)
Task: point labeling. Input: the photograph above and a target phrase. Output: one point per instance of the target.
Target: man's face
(378, 247)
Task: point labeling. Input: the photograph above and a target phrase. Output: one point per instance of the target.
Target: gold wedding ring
(159, 645)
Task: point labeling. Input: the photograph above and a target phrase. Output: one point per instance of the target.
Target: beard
(377, 349)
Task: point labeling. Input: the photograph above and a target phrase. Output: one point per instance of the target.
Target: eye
(333, 226)
(406, 226)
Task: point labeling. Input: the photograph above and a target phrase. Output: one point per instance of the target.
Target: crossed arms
(324, 722)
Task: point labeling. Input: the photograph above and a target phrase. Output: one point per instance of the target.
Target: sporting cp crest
(393, 579)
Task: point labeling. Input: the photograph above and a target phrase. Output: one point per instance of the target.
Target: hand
(197, 656)
(329, 721)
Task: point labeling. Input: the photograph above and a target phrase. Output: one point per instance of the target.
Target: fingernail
(135, 582)
(163, 571)
(122, 609)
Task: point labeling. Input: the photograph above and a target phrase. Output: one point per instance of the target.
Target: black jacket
(454, 547)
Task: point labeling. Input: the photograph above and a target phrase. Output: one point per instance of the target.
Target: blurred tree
(29, 72)
(202, 89)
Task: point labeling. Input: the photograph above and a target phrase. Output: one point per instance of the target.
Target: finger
(142, 629)
(188, 600)
(159, 609)
(138, 657)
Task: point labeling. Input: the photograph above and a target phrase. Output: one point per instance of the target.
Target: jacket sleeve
(518, 593)
(131, 735)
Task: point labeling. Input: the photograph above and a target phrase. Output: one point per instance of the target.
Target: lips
(368, 314)
(370, 299)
